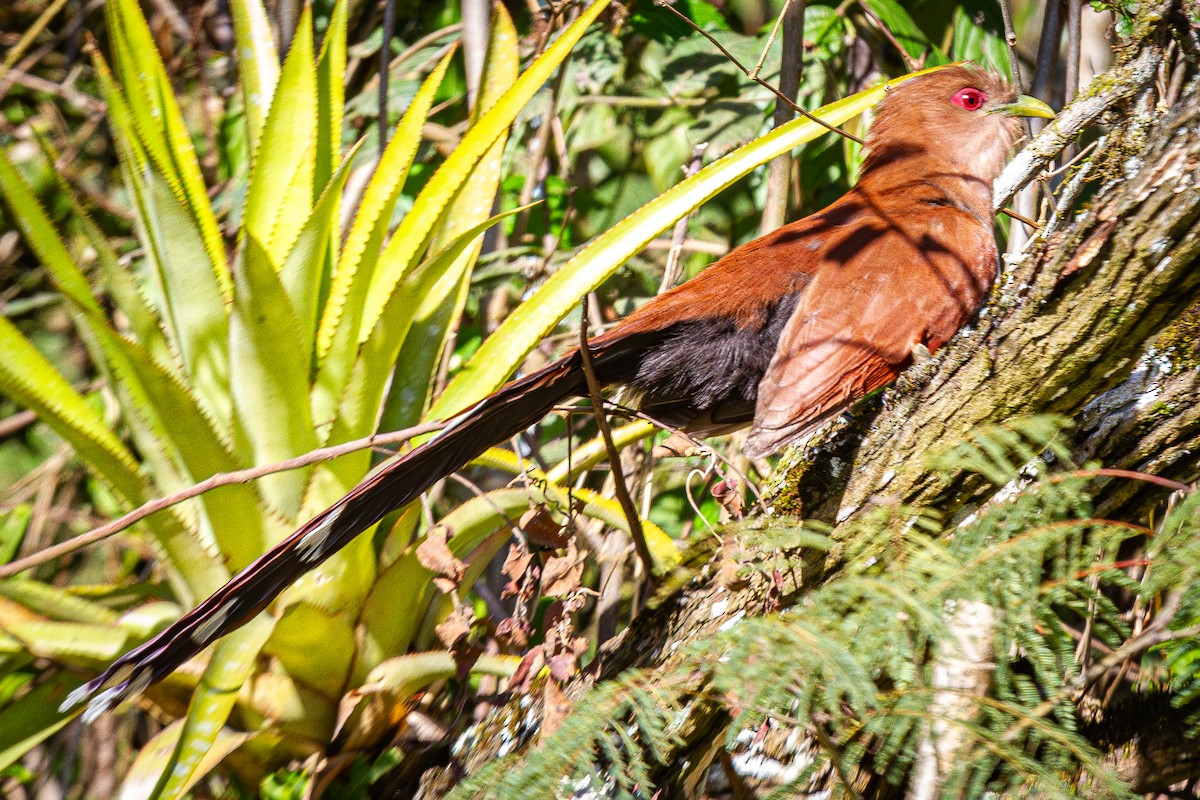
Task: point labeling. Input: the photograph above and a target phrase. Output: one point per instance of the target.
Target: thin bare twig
(1074, 26)
(700, 445)
(1010, 38)
(27, 38)
(80, 100)
(1124, 82)
(476, 18)
(175, 19)
(783, 98)
(762, 59)
(16, 422)
(679, 234)
(910, 63)
(791, 66)
(1074, 49)
(385, 52)
(219, 479)
(614, 455)
(1021, 218)
(1157, 480)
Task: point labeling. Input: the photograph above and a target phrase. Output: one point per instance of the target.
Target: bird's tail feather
(509, 411)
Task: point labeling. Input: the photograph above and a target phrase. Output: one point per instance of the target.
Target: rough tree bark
(1098, 322)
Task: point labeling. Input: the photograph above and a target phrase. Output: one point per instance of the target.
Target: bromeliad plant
(247, 350)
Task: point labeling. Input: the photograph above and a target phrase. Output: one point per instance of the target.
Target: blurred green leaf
(979, 37)
(901, 26)
(33, 717)
(13, 525)
(258, 63)
(279, 196)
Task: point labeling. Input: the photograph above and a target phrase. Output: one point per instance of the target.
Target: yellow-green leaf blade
(303, 269)
(360, 402)
(331, 97)
(33, 383)
(268, 374)
(233, 659)
(279, 196)
(414, 231)
(258, 63)
(161, 127)
(337, 337)
(442, 305)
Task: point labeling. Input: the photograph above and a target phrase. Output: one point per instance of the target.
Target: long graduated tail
(494, 419)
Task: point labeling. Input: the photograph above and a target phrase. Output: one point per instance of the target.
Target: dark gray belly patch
(712, 363)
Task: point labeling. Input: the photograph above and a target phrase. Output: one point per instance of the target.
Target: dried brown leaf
(435, 555)
(542, 529)
(563, 574)
(555, 707)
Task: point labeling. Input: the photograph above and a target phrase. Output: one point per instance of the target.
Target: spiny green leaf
(303, 274)
(30, 380)
(314, 647)
(258, 63)
(266, 377)
(441, 306)
(337, 338)
(360, 404)
(161, 127)
(128, 296)
(331, 98)
(39, 233)
(52, 602)
(279, 196)
(189, 297)
(410, 238)
(176, 417)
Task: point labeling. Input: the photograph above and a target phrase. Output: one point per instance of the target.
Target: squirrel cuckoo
(780, 334)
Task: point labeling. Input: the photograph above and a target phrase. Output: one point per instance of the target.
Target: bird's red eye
(970, 99)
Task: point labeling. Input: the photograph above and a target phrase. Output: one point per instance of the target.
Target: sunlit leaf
(441, 306)
(189, 296)
(266, 378)
(258, 63)
(337, 337)
(146, 774)
(279, 195)
(360, 404)
(412, 235)
(303, 274)
(160, 126)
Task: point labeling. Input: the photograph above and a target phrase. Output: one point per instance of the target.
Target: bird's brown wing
(916, 278)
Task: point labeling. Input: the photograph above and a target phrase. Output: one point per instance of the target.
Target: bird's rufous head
(962, 117)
